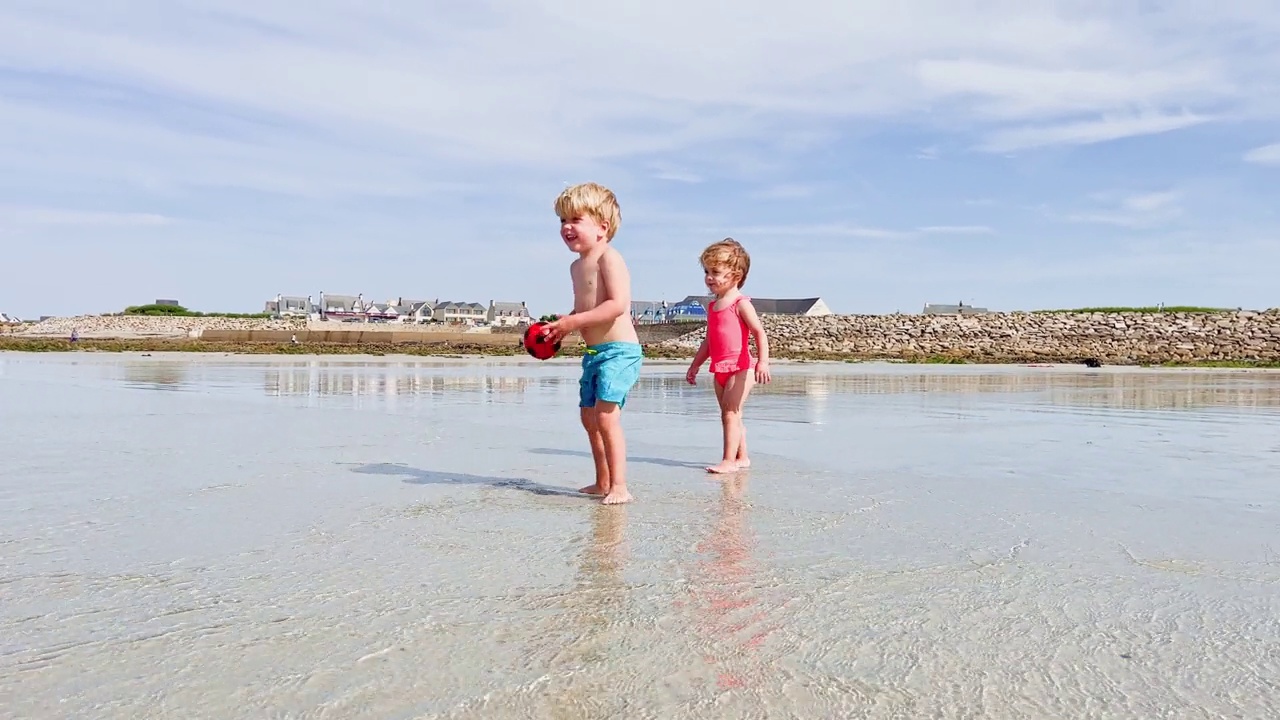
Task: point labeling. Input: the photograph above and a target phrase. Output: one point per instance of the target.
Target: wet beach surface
(233, 537)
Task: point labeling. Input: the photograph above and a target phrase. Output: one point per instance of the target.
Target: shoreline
(452, 349)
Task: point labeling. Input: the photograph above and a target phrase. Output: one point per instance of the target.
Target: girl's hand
(691, 376)
(762, 372)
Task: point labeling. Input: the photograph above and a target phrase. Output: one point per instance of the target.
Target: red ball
(537, 345)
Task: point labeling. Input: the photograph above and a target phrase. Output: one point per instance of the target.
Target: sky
(1009, 154)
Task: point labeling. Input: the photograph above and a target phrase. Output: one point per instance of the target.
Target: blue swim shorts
(609, 370)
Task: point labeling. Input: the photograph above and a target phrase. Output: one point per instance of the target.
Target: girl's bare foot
(727, 466)
(743, 463)
(617, 496)
(592, 490)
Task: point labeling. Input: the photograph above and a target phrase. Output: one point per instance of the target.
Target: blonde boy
(589, 218)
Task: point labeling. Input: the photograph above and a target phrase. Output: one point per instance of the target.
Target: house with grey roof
(809, 307)
(452, 311)
(507, 314)
(381, 311)
(290, 306)
(341, 306)
(399, 309)
(420, 311)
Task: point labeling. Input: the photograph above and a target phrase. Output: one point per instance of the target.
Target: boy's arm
(617, 296)
(747, 312)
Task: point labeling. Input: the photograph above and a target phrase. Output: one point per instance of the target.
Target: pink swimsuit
(727, 340)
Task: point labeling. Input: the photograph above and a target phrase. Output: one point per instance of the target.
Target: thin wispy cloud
(1089, 132)
(35, 217)
(956, 230)
(1265, 155)
(1136, 211)
(288, 146)
(820, 231)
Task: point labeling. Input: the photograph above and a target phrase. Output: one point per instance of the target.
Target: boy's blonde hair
(594, 200)
(728, 253)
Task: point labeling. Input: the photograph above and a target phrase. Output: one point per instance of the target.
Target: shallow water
(232, 537)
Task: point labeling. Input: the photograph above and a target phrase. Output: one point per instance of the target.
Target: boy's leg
(618, 372)
(591, 423)
(609, 421)
(732, 398)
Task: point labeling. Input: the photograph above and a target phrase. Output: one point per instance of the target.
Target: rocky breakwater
(1112, 338)
(146, 326)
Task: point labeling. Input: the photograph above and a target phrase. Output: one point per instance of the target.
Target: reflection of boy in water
(727, 580)
(582, 638)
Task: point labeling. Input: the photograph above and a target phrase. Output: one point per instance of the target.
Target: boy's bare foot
(727, 466)
(617, 496)
(592, 490)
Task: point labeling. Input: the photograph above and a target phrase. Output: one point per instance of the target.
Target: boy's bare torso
(590, 290)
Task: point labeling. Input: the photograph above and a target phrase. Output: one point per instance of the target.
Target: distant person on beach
(730, 319)
(589, 218)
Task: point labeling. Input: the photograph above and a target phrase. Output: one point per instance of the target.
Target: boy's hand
(554, 331)
(691, 376)
(762, 372)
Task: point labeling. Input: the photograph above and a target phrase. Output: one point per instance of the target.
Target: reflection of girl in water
(725, 605)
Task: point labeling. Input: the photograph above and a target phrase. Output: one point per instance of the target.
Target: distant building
(465, 313)
(7, 318)
(341, 306)
(172, 303)
(420, 311)
(507, 314)
(692, 308)
(811, 307)
(400, 310)
(381, 311)
(290, 306)
(648, 311)
(959, 309)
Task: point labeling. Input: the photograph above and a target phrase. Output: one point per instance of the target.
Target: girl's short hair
(728, 253)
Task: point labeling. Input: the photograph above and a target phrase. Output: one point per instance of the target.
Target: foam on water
(233, 537)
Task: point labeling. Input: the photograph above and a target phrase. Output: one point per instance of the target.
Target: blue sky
(880, 155)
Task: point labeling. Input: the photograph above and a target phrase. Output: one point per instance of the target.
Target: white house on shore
(401, 309)
(960, 309)
(292, 306)
(507, 314)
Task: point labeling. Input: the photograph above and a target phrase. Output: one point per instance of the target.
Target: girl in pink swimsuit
(731, 320)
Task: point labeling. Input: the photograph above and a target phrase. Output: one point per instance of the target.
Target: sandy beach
(208, 536)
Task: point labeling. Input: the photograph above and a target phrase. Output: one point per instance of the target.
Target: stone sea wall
(139, 326)
(1111, 338)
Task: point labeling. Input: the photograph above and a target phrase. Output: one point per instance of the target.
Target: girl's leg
(715, 383)
(731, 398)
(748, 379)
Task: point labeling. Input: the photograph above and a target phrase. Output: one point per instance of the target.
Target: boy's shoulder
(609, 256)
(613, 256)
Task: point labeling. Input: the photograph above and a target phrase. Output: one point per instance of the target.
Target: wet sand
(247, 537)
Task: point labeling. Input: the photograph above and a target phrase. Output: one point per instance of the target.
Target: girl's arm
(704, 351)
(747, 312)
